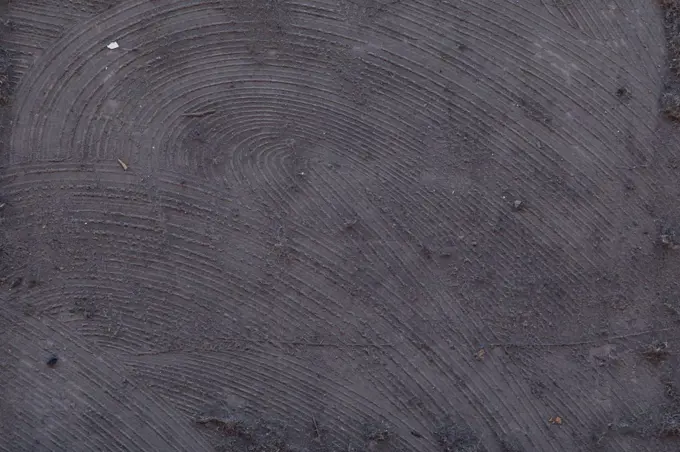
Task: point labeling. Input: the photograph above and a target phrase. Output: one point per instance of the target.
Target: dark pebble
(52, 361)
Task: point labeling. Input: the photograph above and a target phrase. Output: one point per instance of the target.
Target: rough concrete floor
(339, 225)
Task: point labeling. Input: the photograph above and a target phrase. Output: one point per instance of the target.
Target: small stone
(52, 361)
(517, 205)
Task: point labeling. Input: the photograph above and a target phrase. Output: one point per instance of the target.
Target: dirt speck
(376, 432)
(623, 94)
(457, 436)
(670, 102)
(670, 425)
(656, 352)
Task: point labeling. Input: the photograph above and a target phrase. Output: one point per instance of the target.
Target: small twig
(230, 426)
(208, 419)
(317, 431)
(580, 343)
(199, 114)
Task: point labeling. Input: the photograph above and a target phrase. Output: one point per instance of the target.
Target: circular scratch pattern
(331, 211)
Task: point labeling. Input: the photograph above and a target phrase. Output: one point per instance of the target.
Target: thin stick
(316, 428)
